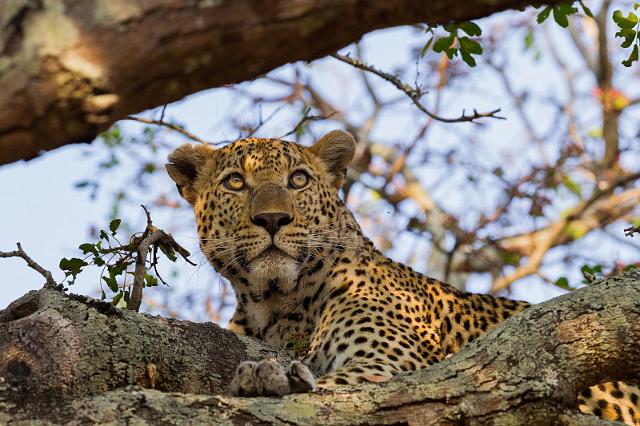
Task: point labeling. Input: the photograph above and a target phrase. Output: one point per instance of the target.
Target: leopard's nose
(272, 222)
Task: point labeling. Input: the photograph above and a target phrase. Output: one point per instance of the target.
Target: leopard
(270, 219)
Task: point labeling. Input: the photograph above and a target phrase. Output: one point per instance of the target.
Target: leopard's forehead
(262, 155)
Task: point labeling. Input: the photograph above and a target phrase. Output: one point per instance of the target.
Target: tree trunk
(68, 359)
(69, 69)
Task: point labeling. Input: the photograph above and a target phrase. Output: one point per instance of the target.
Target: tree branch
(151, 237)
(67, 86)
(414, 93)
(525, 371)
(50, 282)
(174, 127)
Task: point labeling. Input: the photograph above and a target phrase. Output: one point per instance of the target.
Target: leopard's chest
(282, 325)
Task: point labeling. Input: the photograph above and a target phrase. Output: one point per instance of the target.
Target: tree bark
(69, 69)
(68, 359)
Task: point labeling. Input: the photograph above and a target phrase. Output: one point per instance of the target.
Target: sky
(41, 208)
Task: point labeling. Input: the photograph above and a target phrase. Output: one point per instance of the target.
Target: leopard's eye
(298, 179)
(234, 182)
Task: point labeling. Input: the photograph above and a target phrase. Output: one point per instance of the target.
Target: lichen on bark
(68, 359)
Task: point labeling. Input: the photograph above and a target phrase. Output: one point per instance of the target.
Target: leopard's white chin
(275, 265)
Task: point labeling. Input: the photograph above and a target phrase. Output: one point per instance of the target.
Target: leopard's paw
(268, 378)
(301, 379)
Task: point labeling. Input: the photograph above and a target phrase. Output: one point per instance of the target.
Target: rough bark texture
(73, 360)
(69, 68)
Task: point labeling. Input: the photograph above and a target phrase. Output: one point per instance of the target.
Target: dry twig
(304, 119)
(174, 127)
(414, 93)
(151, 237)
(50, 283)
(630, 231)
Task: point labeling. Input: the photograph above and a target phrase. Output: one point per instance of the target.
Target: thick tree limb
(69, 69)
(526, 371)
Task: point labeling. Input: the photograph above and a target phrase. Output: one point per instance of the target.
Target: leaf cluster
(455, 43)
(116, 260)
(629, 30)
(561, 12)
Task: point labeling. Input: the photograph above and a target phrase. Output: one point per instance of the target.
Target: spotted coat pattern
(361, 316)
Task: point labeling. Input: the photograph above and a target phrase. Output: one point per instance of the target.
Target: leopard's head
(266, 209)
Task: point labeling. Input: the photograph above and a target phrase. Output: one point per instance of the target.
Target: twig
(141, 270)
(261, 122)
(631, 230)
(151, 237)
(171, 126)
(306, 117)
(414, 93)
(50, 283)
(164, 108)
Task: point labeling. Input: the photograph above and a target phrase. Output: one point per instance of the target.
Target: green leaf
(632, 58)
(451, 28)
(113, 226)
(560, 18)
(104, 235)
(88, 248)
(628, 21)
(629, 36)
(426, 47)
(467, 58)
(443, 43)
(112, 283)
(116, 299)
(470, 46)
(528, 40)
(73, 266)
(150, 280)
(98, 261)
(117, 268)
(567, 8)
(585, 9)
(563, 282)
(471, 28)
(544, 14)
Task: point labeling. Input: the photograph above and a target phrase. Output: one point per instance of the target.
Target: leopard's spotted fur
(270, 219)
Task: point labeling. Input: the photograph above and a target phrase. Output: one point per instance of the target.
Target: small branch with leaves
(120, 257)
(414, 93)
(50, 282)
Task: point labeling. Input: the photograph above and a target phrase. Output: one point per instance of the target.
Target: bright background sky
(41, 208)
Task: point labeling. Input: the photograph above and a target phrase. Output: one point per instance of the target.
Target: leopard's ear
(185, 165)
(336, 150)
